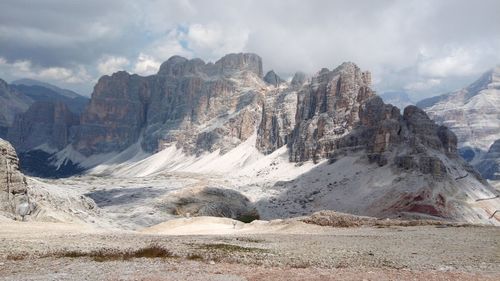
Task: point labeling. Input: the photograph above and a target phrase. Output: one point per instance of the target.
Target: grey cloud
(400, 41)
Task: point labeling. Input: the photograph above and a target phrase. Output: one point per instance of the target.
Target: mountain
(31, 82)
(472, 113)
(32, 111)
(399, 99)
(43, 124)
(38, 93)
(196, 105)
(12, 102)
(489, 164)
(326, 142)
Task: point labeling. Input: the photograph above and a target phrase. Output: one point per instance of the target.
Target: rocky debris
(489, 165)
(215, 202)
(13, 187)
(338, 219)
(43, 123)
(273, 79)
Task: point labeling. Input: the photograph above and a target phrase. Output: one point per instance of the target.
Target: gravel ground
(51, 251)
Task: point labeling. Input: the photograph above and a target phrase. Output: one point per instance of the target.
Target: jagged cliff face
(13, 186)
(328, 109)
(44, 123)
(197, 106)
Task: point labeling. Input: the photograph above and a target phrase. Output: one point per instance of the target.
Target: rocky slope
(471, 113)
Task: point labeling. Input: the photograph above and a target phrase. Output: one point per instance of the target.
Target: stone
(327, 110)
(13, 186)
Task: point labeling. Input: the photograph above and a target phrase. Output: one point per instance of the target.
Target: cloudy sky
(424, 47)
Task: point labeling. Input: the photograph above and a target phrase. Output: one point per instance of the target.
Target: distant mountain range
(473, 114)
(322, 142)
(36, 114)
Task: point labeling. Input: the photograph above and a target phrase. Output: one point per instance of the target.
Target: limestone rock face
(43, 123)
(195, 105)
(277, 121)
(13, 186)
(328, 109)
(115, 115)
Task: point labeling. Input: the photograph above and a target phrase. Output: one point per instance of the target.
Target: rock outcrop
(212, 201)
(13, 187)
(328, 109)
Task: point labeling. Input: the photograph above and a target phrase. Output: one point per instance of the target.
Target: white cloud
(168, 45)
(454, 62)
(384, 36)
(111, 64)
(146, 65)
(423, 85)
(25, 69)
(213, 41)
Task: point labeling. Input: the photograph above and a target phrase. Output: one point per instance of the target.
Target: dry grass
(228, 248)
(336, 219)
(107, 254)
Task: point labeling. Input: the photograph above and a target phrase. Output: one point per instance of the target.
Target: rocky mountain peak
(229, 64)
(241, 61)
(3, 84)
(178, 66)
(299, 78)
(272, 78)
